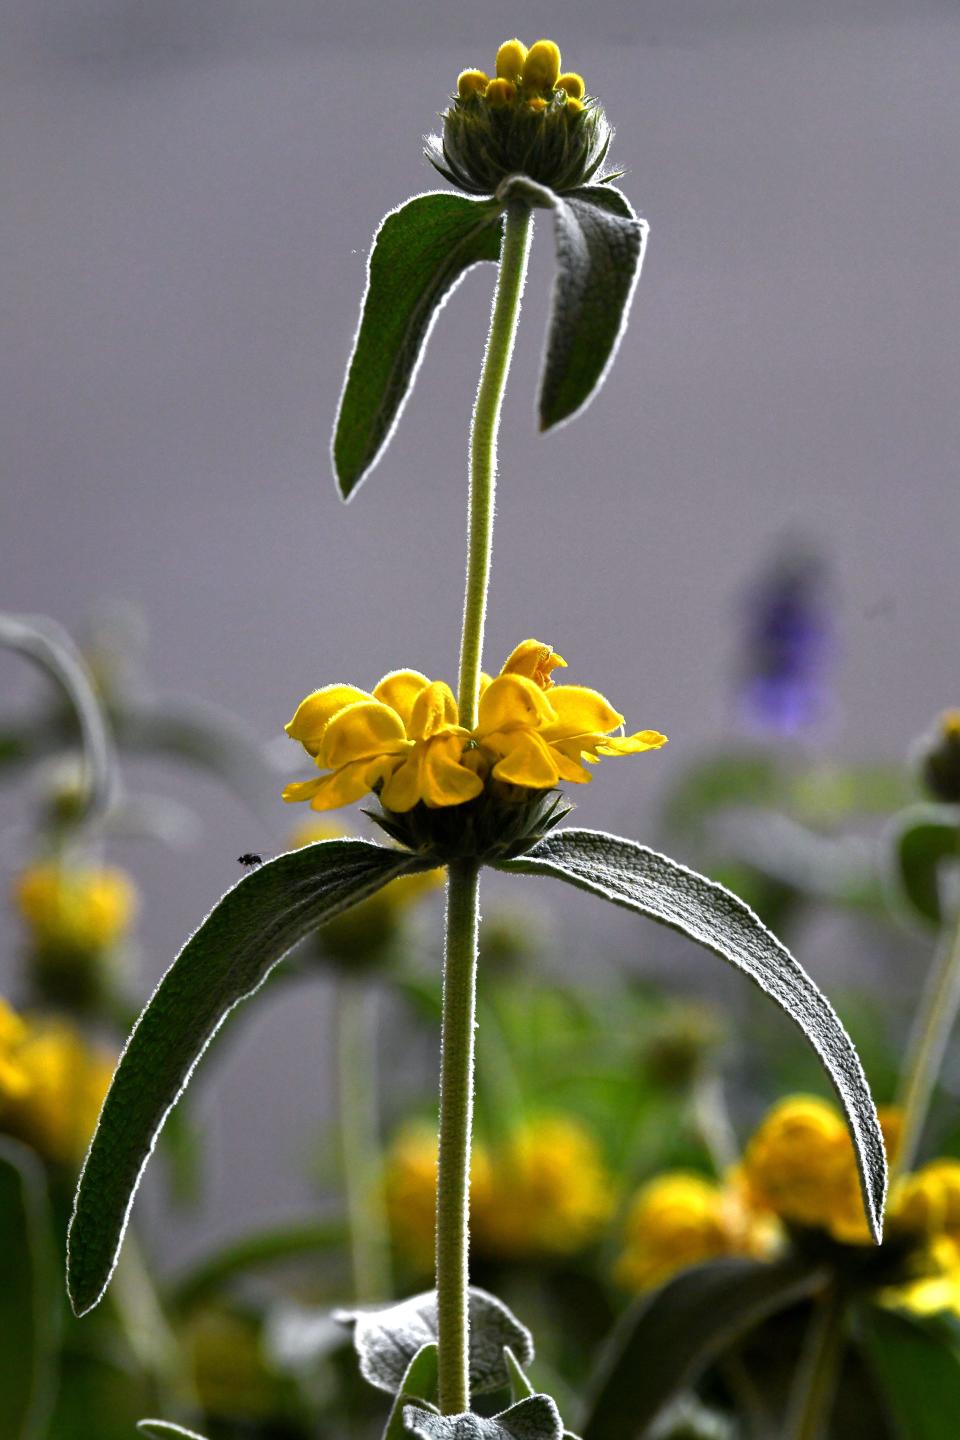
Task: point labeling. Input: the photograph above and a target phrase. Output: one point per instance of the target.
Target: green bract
(563, 145)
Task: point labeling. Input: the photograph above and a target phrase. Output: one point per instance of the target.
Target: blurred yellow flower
(78, 909)
(404, 740)
(52, 1085)
(681, 1219)
(544, 1191)
(797, 1163)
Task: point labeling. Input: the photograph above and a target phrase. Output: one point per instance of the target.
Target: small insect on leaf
(249, 860)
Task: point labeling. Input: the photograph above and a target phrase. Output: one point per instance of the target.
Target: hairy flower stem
(518, 227)
(934, 1022)
(360, 1150)
(456, 1122)
(815, 1386)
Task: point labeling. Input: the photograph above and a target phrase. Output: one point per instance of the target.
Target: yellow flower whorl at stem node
(528, 120)
(75, 909)
(471, 82)
(541, 66)
(403, 742)
(52, 1085)
(573, 85)
(543, 1191)
(510, 58)
(680, 1219)
(940, 759)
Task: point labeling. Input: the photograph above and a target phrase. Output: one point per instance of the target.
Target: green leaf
(669, 1337)
(163, 1429)
(419, 1385)
(387, 1340)
(420, 253)
(520, 1387)
(29, 1295)
(47, 644)
(924, 837)
(533, 1419)
(639, 879)
(225, 961)
(264, 1247)
(600, 245)
(917, 1370)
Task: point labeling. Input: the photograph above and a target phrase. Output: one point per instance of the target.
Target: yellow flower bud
(541, 68)
(573, 106)
(471, 82)
(573, 84)
(510, 58)
(500, 92)
(537, 103)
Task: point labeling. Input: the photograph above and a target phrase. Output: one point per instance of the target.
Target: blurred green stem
(517, 230)
(456, 1121)
(143, 1321)
(815, 1385)
(934, 1022)
(361, 1154)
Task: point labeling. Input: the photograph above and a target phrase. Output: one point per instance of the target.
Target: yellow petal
(526, 761)
(350, 782)
(402, 791)
(360, 732)
(443, 780)
(581, 711)
(566, 756)
(510, 58)
(303, 789)
(434, 711)
(631, 744)
(512, 702)
(399, 690)
(534, 660)
(541, 66)
(314, 714)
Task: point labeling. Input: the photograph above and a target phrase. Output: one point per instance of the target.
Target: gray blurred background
(189, 192)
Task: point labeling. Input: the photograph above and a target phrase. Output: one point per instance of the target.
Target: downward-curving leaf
(656, 886)
(165, 1429)
(534, 1419)
(420, 253)
(600, 246)
(669, 1337)
(224, 962)
(918, 1372)
(29, 1295)
(387, 1340)
(48, 645)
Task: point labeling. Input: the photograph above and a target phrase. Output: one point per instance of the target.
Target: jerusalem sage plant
(459, 781)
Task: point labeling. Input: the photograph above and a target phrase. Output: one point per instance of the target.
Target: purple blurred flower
(788, 646)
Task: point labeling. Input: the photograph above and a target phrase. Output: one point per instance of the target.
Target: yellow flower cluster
(52, 1085)
(544, 1192)
(404, 740)
(529, 77)
(681, 1219)
(799, 1169)
(74, 910)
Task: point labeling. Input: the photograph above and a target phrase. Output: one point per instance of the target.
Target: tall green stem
(456, 1122)
(518, 227)
(360, 1149)
(816, 1381)
(935, 1020)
